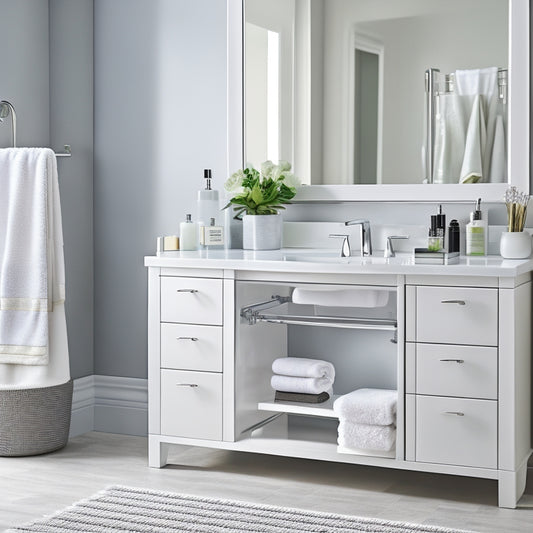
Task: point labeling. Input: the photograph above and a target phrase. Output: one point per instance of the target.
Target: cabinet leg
(511, 486)
(157, 452)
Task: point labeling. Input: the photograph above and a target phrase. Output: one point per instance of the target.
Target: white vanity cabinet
(188, 369)
(468, 357)
(460, 359)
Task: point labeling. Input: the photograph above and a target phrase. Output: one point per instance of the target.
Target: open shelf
(324, 410)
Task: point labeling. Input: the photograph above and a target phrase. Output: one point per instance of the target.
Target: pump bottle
(208, 203)
(476, 232)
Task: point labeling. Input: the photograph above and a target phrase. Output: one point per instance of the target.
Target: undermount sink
(334, 257)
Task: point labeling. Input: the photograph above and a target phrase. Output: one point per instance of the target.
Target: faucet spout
(366, 238)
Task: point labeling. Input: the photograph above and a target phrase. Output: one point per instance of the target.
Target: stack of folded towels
(367, 419)
(297, 379)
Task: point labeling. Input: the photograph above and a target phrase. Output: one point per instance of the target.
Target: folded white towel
(367, 406)
(302, 385)
(366, 437)
(302, 367)
(360, 297)
(31, 253)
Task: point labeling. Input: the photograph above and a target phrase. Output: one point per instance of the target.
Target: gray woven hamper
(34, 421)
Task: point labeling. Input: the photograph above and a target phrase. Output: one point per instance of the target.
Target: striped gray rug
(140, 510)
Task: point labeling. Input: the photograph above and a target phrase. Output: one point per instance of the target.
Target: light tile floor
(33, 486)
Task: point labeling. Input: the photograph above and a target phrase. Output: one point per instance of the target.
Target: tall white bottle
(208, 203)
(477, 232)
(188, 234)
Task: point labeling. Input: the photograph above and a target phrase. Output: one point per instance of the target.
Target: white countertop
(326, 261)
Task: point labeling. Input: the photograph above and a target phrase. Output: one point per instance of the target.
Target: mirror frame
(518, 133)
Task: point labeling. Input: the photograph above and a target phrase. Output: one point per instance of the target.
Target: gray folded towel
(282, 396)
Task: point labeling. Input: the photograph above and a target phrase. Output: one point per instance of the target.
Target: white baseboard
(110, 404)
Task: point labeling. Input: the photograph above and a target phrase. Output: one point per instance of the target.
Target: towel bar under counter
(253, 314)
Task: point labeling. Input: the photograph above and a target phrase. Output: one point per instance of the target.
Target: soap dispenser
(476, 232)
(208, 203)
(188, 234)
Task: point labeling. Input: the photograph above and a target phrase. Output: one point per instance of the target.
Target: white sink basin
(334, 257)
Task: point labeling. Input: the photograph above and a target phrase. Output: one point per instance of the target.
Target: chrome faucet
(389, 250)
(345, 248)
(366, 238)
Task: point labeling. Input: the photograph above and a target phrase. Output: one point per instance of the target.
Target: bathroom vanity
(454, 341)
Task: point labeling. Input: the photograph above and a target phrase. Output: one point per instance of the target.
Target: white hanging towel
(498, 162)
(32, 276)
(481, 82)
(450, 137)
(473, 168)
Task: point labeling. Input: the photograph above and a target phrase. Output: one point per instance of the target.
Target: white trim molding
(110, 404)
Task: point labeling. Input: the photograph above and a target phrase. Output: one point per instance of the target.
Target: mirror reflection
(378, 91)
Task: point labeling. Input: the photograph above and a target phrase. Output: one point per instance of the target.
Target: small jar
(435, 244)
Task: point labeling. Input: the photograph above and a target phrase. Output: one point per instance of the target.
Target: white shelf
(324, 409)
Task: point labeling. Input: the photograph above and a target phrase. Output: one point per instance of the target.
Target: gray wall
(160, 119)
(24, 79)
(71, 122)
(47, 75)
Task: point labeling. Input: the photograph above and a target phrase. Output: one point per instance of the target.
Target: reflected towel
(303, 368)
(482, 82)
(477, 81)
(450, 137)
(367, 406)
(366, 437)
(472, 169)
(498, 162)
(31, 253)
(304, 385)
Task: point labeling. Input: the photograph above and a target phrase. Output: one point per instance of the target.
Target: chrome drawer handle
(458, 302)
(186, 385)
(194, 339)
(187, 290)
(455, 413)
(452, 360)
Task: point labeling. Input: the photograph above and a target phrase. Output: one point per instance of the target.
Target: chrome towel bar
(6, 109)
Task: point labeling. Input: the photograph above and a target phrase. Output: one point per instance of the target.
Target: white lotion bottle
(208, 203)
(188, 234)
(477, 232)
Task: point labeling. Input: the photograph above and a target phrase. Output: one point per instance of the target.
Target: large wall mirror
(393, 93)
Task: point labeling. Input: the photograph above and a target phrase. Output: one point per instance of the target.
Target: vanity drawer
(457, 431)
(191, 347)
(457, 315)
(191, 404)
(448, 370)
(191, 300)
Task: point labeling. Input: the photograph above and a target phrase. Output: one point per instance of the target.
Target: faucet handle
(345, 248)
(389, 250)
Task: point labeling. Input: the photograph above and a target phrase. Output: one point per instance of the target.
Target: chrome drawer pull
(455, 413)
(186, 385)
(458, 302)
(452, 360)
(187, 290)
(194, 339)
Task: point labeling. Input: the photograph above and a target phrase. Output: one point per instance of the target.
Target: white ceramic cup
(515, 245)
